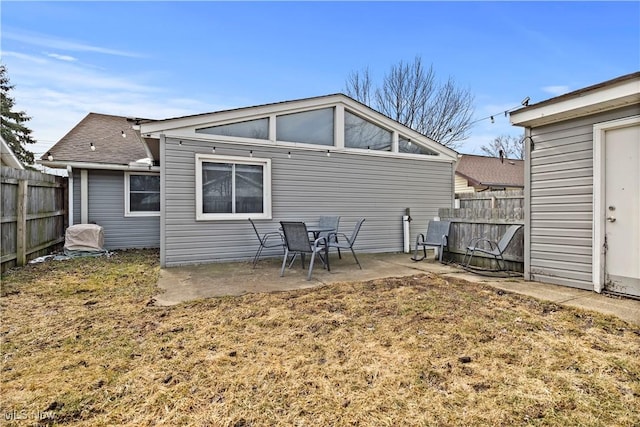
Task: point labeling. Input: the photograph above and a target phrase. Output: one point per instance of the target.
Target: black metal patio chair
(489, 247)
(346, 242)
(276, 241)
(332, 222)
(437, 236)
(296, 238)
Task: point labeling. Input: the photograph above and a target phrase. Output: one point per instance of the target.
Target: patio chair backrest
(255, 229)
(507, 237)
(296, 236)
(356, 230)
(328, 222)
(435, 231)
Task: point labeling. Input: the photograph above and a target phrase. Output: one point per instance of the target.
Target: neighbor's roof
(611, 94)
(105, 132)
(8, 156)
(491, 171)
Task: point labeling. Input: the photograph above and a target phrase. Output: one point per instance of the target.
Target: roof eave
(62, 164)
(596, 99)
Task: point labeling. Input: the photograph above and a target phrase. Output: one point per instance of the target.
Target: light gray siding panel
(308, 185)
(565, 174)
(561, 200)
(560, 231)
(106, 208)
(544, 241)
(550, 201)
(583, 181)
(570, 254)
(566, 207)
(564, 280)
(569, 215)
(561, 191)
(584, 248)
(76, 196)
(571, 165)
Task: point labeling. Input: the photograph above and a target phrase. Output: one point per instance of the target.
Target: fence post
(21, 225)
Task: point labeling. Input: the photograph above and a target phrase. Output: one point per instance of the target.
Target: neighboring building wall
(462, 185)
(308, 185)
(106, 208)
(561, 200)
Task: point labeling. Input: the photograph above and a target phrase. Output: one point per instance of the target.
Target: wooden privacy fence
(34, 216)
(486, 214)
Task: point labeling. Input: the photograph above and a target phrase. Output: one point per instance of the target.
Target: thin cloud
(556, 90)
(50, 42)
(67, 58)
(23, 57)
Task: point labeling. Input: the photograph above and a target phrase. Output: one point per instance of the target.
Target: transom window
(406, 146)
(361, 133)
(321, 127)
(141, 194)
(256, 129)
(309, 127)
(232, 187)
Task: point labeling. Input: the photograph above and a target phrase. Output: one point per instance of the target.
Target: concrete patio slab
(182, 284)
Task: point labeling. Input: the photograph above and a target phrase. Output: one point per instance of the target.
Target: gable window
(406, 146)
(141, 194)
(360, 133)
(256, 129)
(232, 187)
(309, 127)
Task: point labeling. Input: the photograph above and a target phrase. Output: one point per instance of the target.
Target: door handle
(611, 219)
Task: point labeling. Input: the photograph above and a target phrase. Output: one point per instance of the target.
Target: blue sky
(167, 59)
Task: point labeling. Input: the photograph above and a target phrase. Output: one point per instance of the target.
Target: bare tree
(508, 146)
(411, 95)
(359, 86)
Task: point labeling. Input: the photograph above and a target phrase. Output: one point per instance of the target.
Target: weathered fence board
(34, 215)
(488, 215)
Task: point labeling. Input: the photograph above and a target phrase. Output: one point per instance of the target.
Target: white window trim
(266, 187)
(127, 198)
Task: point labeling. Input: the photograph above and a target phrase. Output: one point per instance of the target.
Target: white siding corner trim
(266, 187)
(599, 208)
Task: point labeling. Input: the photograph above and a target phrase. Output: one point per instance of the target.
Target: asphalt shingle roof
(105, 132)
(491, 171)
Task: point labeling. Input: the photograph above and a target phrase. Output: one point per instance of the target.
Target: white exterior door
(620, 212)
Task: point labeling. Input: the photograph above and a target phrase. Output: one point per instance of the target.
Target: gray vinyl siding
(561, 200)
(106, 208)
(76, 196)
(304, 187)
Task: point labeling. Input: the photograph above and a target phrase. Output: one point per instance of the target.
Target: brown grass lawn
(81, 346)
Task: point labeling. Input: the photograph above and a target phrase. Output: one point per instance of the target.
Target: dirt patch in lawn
(82, 346)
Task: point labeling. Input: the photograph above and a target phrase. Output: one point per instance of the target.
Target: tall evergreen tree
(13, 130)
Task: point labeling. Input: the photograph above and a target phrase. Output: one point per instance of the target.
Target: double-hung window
(141, 194)
(232, 187)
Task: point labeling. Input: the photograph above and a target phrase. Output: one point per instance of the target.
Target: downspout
(70, 195)
(529, 147)
(163, 204)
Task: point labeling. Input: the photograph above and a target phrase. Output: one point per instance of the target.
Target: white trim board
(590, 102)
(599, 208)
